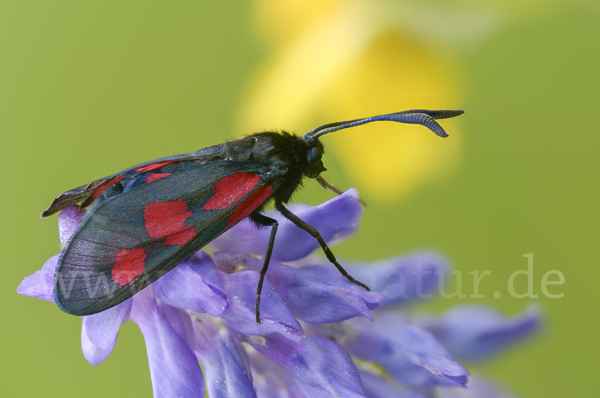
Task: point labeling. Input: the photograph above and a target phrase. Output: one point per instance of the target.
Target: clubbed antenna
(417, 116)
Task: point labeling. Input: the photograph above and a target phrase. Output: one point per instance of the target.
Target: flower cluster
(320, 336)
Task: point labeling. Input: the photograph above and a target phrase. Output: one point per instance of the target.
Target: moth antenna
(416, 116)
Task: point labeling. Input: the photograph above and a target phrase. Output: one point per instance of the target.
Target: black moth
(144, 221)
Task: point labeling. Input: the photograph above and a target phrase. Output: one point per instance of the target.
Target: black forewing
(86, 193)
(117, 227)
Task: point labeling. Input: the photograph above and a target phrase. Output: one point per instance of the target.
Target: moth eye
(315, 155)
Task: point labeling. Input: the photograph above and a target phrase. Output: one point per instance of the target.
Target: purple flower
(320, 336)
(473, 332)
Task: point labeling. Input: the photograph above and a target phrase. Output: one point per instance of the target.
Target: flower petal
(68, 222)
(227, 374)
(275, 316)
(270, 379)
(174, 369)
(408, 353)
(92, 353)
(335, 220)
(408, 277)
(40, 284)
(193, 285)
(320, 366)
(321, 294)
(478, 388)
(234, 262)
(180, 322)
(269, 385)
(378, 387)
(474, 332)
(102, 328)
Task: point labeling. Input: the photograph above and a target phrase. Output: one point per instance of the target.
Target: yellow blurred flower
(392, 74)
(335, 60)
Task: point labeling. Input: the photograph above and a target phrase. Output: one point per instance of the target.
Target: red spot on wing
(154, 166)
(229, 190)
(154, 177)
(104, 185)
(128, 265)
(181, 238)
(166, 219)
(247, 206)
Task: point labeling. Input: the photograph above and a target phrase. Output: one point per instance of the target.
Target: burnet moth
(143, 221)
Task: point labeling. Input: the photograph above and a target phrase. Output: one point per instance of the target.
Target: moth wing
(89, 192)
(132, 237)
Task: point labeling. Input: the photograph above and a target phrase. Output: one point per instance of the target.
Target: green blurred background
(90, 88)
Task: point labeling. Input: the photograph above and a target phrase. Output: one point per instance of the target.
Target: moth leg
(315, 234)
(267, 222)
(327, 185)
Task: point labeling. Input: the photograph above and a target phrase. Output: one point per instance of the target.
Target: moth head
(314, 161)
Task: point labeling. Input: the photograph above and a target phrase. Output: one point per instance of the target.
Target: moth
(143, 221)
